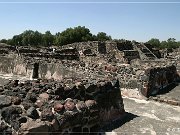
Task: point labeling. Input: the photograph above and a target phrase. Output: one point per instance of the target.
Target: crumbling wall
(93, 60)
(130, 55)
(6, 64)
(12, 64)
(76, 51)
(47, 68)
(147, 78)
(158, 78)
(124, 45)
(47, 106)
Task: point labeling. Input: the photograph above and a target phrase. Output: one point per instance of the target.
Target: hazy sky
(133, 21)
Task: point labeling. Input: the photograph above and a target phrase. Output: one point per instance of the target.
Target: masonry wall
(91, 60)
(158, 79)
(146, 78)
(47, 106)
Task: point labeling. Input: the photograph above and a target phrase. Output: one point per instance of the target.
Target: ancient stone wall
(158, 78)
(47, 68)
(141, 78)
(47, 106)
(89, 60)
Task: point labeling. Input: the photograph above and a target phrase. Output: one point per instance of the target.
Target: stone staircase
(144, 52)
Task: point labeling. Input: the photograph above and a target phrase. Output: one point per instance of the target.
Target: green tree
(10, 42)
(172, 43)
(27, 37)
(154, 42)
(163, 44)
(47, 39)
(37, 38)
(102, 36)
(33, 38)
(71, 35)
(178, 43)
(3, 41)
(17, 40)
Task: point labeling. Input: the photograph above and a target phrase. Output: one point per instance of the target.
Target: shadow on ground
(118, 123)
(167, 89)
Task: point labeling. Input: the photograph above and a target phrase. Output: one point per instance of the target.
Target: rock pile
(49, 107)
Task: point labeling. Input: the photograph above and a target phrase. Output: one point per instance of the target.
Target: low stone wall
(156, 79)
(148, 82)
(47, 106)
(29, 66)
(130, 55)
(143, 79)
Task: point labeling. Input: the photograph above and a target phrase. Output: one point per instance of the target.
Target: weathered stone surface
(47, 114)
(16, 100)
(11, 113)
(69, 105)
(22, 120)
(44, 96)
(58, 107)
(90, 103)
(1, 89)
(58, 112)
(26, 104)
(88, 72)
(81, 106)
(3, 126)
(39, 103)
(32, 97)
(32, 113)
(55, 125)
(5, 101)
(34, 127)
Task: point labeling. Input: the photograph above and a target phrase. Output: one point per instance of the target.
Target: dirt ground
(148, 117)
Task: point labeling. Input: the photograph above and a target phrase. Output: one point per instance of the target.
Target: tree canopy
(70, 35)
(76, 34)
(154, 42)
(170, 43)
(102, 36)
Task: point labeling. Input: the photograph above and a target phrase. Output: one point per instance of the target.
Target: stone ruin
(51, 107)
(141, 73)
(80, 84)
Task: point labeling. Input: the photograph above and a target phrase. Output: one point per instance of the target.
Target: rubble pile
(52, 107)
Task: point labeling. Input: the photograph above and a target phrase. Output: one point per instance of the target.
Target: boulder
(44, 97)
(58, 107)
(32, 113)
(81, 106)
(16, 100)
(11, 114)
(69, 105)
(34, 127)
(47, 114)
(5, 101)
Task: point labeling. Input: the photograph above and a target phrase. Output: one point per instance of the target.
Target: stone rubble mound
(51, 107)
